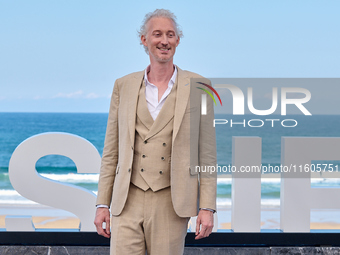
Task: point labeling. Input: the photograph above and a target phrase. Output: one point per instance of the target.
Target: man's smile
(163, 49)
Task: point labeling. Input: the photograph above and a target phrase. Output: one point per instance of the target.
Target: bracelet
(208, 209)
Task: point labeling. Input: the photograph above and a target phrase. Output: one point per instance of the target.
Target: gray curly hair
(158, 13)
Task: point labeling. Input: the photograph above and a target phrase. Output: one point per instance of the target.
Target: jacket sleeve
(207, 158)
(110, 152)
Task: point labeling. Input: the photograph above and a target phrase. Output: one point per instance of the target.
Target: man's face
(161, 39)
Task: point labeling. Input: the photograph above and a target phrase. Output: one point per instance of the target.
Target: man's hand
(204, 224)
(103, 215)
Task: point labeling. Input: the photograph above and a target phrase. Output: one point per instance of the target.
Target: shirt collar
(171, 82)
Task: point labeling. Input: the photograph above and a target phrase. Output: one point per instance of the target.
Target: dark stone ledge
(103, 250)
(219, 240)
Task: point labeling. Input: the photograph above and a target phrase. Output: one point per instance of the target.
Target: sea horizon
(15, 127)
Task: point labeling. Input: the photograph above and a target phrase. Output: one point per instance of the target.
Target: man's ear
(177, 41)
(143, 39)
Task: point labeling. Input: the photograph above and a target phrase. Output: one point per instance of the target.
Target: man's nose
(165, 40)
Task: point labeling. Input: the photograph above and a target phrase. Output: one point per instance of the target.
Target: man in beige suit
(154, 139)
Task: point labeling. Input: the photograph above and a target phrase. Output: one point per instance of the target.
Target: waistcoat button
(161, 172)
(142, 170)
(162, 158)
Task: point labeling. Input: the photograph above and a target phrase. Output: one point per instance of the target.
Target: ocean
(16, 127)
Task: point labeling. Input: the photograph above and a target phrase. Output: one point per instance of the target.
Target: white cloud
(38, 97)
(76, 94)
(79, 94)
(92, 96)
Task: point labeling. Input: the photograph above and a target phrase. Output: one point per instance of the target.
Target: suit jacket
(193, 147)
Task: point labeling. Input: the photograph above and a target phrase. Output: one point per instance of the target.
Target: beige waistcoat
(153, 142)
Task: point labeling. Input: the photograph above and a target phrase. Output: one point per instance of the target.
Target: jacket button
(143, 156)
(164, 144)
(129, 170)
(161, 172)
(142, 170)
(162, 158)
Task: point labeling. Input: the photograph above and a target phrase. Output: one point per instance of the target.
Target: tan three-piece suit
(148, 173)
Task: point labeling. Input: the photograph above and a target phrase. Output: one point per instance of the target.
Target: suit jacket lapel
(142, 109)
(182, 98)
(165, 115)
(133, 92)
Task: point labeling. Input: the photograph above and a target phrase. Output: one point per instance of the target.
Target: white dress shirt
(151, 93)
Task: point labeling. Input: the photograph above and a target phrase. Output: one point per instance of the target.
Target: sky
(64, 56)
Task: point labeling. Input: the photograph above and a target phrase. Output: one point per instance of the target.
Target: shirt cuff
(102, 206)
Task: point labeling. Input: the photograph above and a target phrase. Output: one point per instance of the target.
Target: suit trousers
(149, 223)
